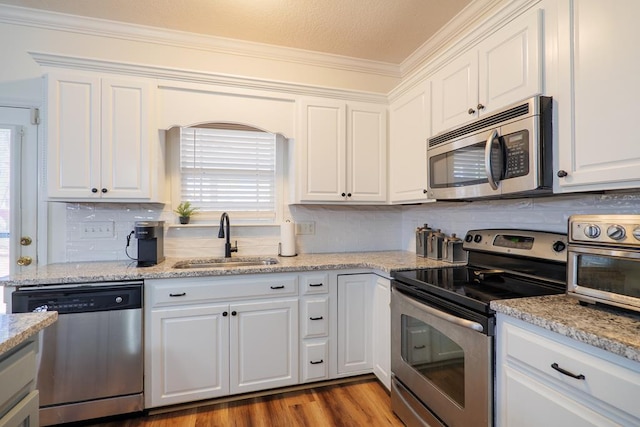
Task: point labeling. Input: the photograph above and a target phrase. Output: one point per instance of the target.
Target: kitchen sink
(224, 262)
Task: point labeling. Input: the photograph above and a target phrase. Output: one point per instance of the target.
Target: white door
(355, 308)
(18, 190)
(263, 345)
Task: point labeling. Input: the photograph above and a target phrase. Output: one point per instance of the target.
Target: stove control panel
(527, 243)
(607, 230)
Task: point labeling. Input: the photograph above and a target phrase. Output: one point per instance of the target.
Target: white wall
(546, 213)
(338, 228)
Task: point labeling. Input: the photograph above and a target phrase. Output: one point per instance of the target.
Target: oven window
(434, 356)
(610, 274)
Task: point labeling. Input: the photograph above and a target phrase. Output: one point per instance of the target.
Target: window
(226, 169)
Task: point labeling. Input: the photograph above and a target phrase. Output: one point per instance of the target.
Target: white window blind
(230, 171)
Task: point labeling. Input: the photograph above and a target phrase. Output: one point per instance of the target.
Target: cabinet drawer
(315, 362)
(315, 317)
(314, 283)
(17, 375)
(605, 380)
(165, 292)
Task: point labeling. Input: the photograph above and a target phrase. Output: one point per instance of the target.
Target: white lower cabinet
(382, 331)
(198, 347)
(18, 397)
(355, 317)
(597, 388)
(317, 344)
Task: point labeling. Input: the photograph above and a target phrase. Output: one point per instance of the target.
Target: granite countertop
(385, 261)
(612, 330)
(17, 328)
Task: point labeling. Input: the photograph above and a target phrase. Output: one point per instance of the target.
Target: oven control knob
(636, 233)
(468, 238)
(616, 232)
(477, 238)
(592, 231)
(559, 246)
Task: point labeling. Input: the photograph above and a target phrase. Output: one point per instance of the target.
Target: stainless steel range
(442, 348)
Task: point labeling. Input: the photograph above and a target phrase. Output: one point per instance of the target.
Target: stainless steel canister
(434, 244)
(452, 249)
(422, 234)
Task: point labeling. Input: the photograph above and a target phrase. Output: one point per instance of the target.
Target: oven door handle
(469, 324)
(487, 159)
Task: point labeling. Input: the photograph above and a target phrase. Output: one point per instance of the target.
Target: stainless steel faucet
(227, 246)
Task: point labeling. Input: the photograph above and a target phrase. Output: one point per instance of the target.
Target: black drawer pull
(315, 285)
(567, 373)
(278, 287)
(178, 295)
(316, 318)
(316, 363)
(419, 347)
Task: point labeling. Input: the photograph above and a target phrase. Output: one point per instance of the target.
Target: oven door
(608, 276)
(442, 360)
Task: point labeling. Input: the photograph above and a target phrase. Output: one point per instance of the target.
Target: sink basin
(224, 262)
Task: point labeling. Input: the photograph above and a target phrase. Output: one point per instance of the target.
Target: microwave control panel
(516, 149)
(606, 230)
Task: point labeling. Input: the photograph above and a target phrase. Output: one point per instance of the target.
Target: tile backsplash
(337, 228)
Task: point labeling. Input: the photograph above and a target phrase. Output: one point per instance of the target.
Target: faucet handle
(235, 247)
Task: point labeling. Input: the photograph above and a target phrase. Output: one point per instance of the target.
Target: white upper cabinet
(504, 68)
(409, 129)
(598, 88)
(99, 139)
(342, 154)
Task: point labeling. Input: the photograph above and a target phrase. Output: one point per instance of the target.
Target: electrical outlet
(96, 229)
(308, 227)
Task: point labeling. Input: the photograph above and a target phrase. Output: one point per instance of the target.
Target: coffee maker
(150, 235)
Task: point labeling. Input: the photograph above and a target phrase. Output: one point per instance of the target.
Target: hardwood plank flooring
(360, 403)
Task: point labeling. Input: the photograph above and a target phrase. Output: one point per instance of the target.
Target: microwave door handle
(487, 159)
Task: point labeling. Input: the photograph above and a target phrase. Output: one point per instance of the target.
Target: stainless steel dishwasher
(91, 359)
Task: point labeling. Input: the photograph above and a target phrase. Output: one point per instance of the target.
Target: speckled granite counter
(386, 261)
(17, 328)
(607, 329)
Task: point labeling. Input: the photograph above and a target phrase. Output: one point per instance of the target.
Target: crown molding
(213, 81)
(103, 28)
(477, 21)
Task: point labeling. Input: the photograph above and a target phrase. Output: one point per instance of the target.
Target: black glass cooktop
(471, 287)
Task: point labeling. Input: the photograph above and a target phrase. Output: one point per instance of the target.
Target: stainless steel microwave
(603, 265)
(505, 154)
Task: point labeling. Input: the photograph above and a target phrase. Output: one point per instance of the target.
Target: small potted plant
(184, 211)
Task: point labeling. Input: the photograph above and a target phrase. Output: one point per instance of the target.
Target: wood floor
(360, 403)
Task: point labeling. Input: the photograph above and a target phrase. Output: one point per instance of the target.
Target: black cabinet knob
(94, 190)
(424, 191)
(225, 314)
(480, 107)
(562, 173)
(343, 194)
(348, 194)
(471, 111)
(104, 190)
(233, 313)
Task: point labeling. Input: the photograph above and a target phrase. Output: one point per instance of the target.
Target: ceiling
(378, 30)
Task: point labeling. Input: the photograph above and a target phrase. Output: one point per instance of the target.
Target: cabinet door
(455, 92)
(188, 355)
(73, 135)
(125, 150)
(528, 403)
(598, 94)
(382, 331)
(264, 345)
(510, 65)
(322, 159)
(410, 123)
(367, 153)
(355, 302)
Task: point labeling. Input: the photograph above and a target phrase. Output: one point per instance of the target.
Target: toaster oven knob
(592, 231)
(636, 233)
(559, 246)
(616, 232)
